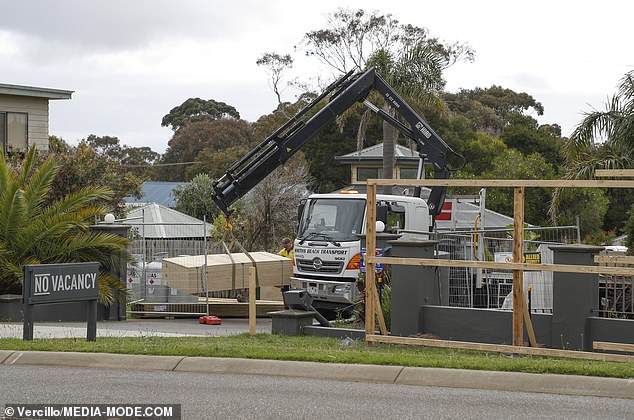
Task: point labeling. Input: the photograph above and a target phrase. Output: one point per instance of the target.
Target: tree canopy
(95, 162)
(196, 109)
(196, 137)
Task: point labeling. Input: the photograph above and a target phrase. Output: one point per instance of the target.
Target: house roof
(156, 192)
(156, 221)
(37, 92)
(374, 154)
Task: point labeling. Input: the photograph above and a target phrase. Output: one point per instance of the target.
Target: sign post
(58, 283)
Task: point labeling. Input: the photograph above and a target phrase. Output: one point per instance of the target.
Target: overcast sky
(131, 61)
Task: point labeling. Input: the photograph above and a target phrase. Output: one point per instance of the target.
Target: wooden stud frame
(519, 314)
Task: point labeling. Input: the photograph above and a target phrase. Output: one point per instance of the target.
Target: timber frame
(520, 310)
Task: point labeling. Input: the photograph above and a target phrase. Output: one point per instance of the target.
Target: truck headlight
(341, 289)
(344, 290)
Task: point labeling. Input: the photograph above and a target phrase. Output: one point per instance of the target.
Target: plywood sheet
(226, 272)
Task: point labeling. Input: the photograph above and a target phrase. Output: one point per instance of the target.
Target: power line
(160, 164)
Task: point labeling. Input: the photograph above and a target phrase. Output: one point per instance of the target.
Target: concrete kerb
(450, 378)
(518, 382)
(333, 371)
(93, 360)
(4, 355)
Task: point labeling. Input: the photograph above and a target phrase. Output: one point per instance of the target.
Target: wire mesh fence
(492, 289)
(159, 250)
(178, 270)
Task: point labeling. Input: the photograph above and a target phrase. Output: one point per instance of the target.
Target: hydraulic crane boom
(288, 139)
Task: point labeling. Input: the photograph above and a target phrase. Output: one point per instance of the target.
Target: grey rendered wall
(479, 325)
(612, 330)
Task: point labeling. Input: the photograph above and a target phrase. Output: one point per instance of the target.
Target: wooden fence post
(252, 307)
(518, 275)
(370, 247)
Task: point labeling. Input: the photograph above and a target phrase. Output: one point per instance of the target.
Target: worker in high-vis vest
(287, 251)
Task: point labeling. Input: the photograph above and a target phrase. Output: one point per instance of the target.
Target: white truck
(328, 245)
(327, 248)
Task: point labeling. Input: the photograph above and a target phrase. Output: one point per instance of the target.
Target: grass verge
(316, 349)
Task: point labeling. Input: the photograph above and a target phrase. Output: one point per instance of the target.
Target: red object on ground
(210, 320)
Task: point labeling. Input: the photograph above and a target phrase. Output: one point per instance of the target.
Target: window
(395, 217)
(3, 130)
(13, 131)
(363, 174)
(408, 173)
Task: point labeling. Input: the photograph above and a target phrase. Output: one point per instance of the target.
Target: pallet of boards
(226, 272)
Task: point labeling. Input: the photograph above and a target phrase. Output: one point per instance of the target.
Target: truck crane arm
(274, 151)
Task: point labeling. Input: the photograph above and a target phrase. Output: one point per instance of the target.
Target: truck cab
(328, 248)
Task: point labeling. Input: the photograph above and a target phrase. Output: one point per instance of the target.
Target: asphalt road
(212, 396)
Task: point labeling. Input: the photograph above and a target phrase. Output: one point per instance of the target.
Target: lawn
(328, 350)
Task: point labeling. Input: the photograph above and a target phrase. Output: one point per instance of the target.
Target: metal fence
(487, 288)
(177, 270)
(615, 293)
(186, 245)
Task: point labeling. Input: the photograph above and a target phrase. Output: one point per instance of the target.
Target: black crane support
(243, 175)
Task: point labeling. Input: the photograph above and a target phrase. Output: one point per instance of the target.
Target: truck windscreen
(332, 219)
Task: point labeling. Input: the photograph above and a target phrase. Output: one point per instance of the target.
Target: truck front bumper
(338, 294)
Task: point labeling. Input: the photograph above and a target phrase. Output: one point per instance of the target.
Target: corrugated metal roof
(374, 153)
(156, 221)
(156, 192)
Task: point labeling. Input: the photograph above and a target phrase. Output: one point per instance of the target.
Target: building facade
(24, 116)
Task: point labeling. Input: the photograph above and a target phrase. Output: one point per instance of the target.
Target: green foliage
(480, 150)
(35, 229)
(589, 204)
(599, 237)
(195, 137)
(194, 198)
(325, 174)
(621, 200)
(353, 36)
(604, 140)
(216, 162)
(511, 164)
(271, 208)
(406, 56)
(196, 109)
(490, 109)
(524, 134)
(269, 213)
(94, 162)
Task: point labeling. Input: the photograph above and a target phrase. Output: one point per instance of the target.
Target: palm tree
(603, 139)
(34, 230)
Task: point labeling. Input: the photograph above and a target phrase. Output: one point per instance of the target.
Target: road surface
(209, 396)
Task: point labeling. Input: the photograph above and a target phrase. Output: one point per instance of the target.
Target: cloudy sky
(131, 61)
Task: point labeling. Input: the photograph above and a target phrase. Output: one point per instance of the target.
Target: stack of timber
(228, 272)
